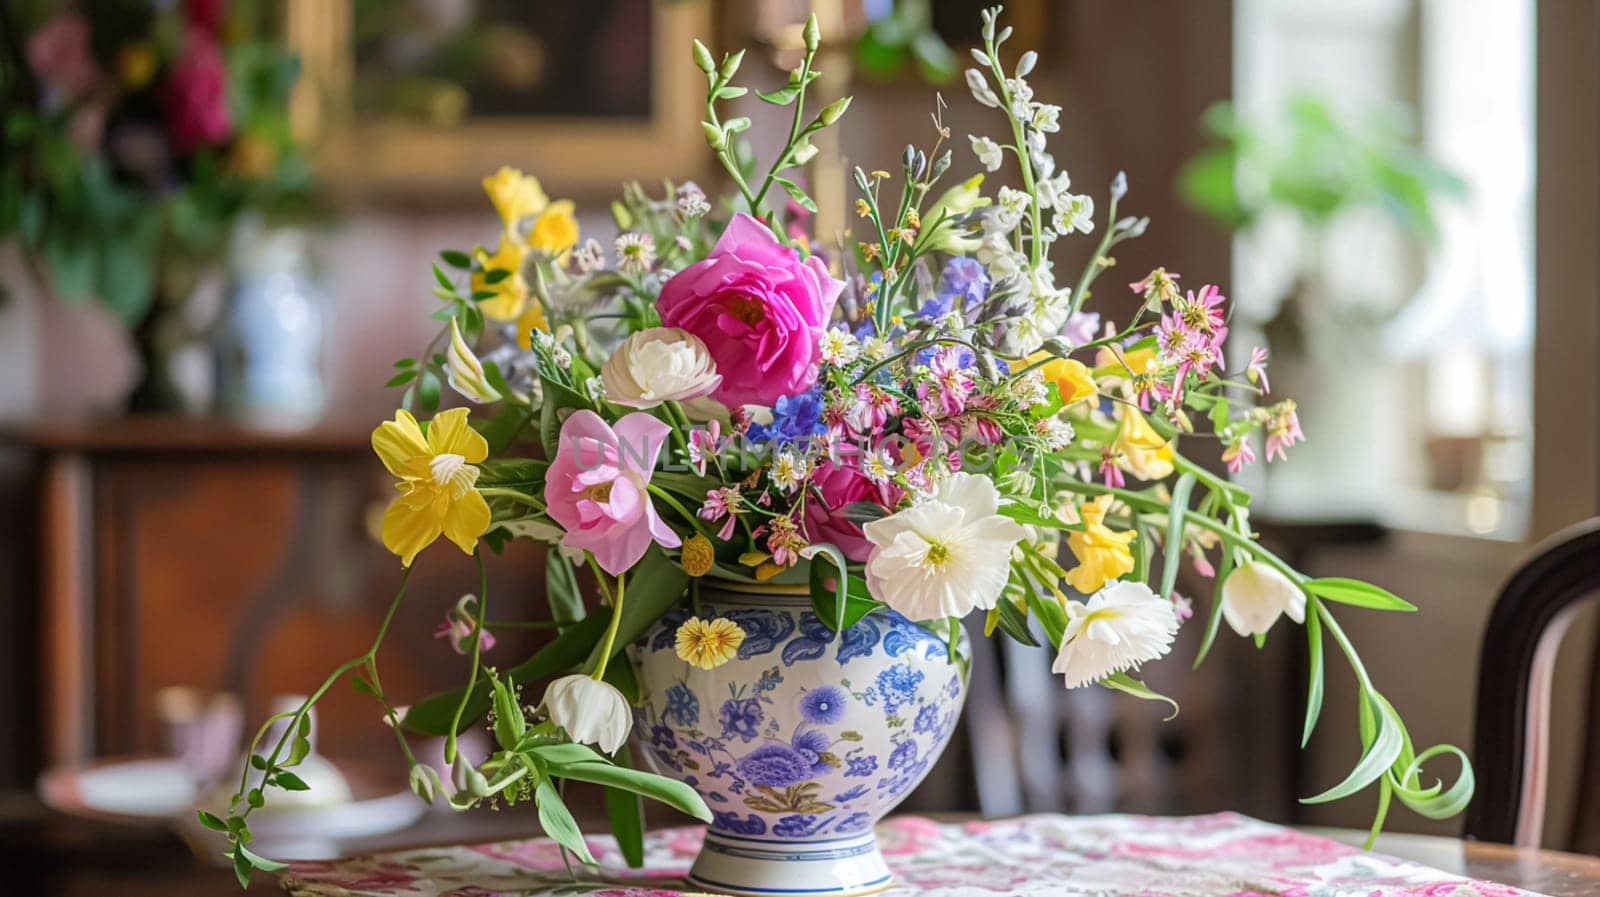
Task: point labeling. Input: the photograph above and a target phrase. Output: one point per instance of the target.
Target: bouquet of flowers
(912, 422)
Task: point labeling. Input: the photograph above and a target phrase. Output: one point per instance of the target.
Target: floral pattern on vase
(804, 734)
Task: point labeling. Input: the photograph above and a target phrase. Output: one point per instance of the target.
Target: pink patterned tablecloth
(1225, 855)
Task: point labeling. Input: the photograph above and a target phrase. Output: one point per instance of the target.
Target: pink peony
(195, 96)
(759, 309)
(596, 488)
(841, 484)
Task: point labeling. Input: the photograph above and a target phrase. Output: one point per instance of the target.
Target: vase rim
(756, 588)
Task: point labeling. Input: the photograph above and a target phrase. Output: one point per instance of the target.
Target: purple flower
(1081, 328)
(775, 765)
(794, 418)
(823, 705)
(741, 717)
(864, 765)
(963, 278)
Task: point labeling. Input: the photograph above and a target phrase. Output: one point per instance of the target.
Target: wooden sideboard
(152, 552)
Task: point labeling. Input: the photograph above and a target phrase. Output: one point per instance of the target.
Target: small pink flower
(1239, 453)
(58, 52)
(1110, 471)
(1283, 430)
(841, 485)
(1081, 327)
(597, 488)
(1202, 564)
(194, 98)
(721, 502)
(951, 379)
(871, 409)
(1182, 607)
(1203, 312)
(704, 445)
(1257, 370)
(458, 627)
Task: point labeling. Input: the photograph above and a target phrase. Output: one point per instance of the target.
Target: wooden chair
(1535, 609)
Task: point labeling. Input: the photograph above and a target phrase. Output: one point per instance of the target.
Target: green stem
(513, 494)
(477, 653)
(794, 131)
(611, 629)
(671, 502)
(1025, 162)
(515, 625)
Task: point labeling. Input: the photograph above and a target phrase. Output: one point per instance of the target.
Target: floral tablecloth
(1224, 855)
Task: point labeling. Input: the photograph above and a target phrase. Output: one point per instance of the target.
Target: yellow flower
(1070, 376)
(510, 294)
(698, 556)
(515, 196)
(1102, 553)
(532, 319)
(1144, 453)
(708, 644)
(1105, 361)
(556, 231)
(437, 477)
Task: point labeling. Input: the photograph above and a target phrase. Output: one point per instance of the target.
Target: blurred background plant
(134, 140)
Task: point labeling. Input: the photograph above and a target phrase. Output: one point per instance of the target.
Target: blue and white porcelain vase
(799, 744)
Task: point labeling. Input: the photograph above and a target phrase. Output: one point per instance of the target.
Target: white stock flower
(1021, 91)
(659, 364)
(692, 202)
(1010, 207)
(1255, 594)
(1075, 214)
(1053, 190)
(988, 152)
(998, 255)
(465, 371)
(591, 711)
(981, 91)
(944, 555)
(1046, 118)
(1120, 627)
(589, 256)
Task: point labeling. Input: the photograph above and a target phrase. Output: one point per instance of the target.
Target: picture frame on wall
(417, 100)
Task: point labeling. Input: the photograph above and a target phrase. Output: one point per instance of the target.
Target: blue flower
(730, 821)
(904, 755)
(799, 826)
(964, 279)
(775, 765)
(864, 765)
(852, 794)
(927, 719)
(769, 681)
(741, 717)
(854, 822)
(794, 419)
(683, 708)
(823, 705)
(898, 685)
(810, 744)
(661, 736)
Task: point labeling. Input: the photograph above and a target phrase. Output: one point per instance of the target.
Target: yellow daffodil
(1070, 376)
(708, 644)
(437, 477)
(1102, 553)
(556, 230)
(515, 196)
(531, 319)
(1106, 361)
(1144, 453)
(510, 294)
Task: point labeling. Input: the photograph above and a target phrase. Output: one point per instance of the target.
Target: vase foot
(760, 867)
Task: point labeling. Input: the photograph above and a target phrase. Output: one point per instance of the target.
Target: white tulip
(944, 555)
(659, 364)
(1121, 626)
(465, 371)
(1253, 596)
(591, 711)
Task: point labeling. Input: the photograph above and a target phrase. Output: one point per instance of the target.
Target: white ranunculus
(591, 711)
(944, 555)
(465, 371)
(1253, 596)
(659, 364)
(1120, 627)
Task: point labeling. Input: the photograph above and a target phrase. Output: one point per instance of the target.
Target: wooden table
(45, 854)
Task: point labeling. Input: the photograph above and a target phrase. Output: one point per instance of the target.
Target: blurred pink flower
(842, 485)
(58, 52)
(195, 96)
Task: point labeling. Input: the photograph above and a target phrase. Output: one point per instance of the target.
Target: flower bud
(466, 777)
(909, 157)
(465, 371)
(730, 65)
(813, 33)
(1026, 63)
(425, 781)
(804, 153)
(832, 112)
(941, 165)
(1056, 346)
(714, 138)
(1119, 186)
(702, 58)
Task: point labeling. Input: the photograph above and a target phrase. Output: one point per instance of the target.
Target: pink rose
(759, 309)
(597, 488)
(195, 96)
(841, 485)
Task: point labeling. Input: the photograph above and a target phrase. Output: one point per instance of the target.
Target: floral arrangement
(915, 420)
(134, 136)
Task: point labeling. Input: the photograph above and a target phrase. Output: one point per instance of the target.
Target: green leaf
(455, 258)
(400, 379)
(1214, 621)
(557, 822)
(1014, 622)
(783, 96)
(288, 781)
(830, 589)
(258, 861)
(558, 397)
(625, 812)
(1357, 593)
(566, 753)
(671, 792)
(1127, 684)
(1314, 688)
(428, 391)
(431, 715)
(1382, 749)
(561, 588)
(444, 281)
(495, 275)
(509, 723)
(1175, 514)
(300, 744)
(1431, 802)
(258, 762)
(211, 821)
(796, 193)
(731, 92)
(1050, 615)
